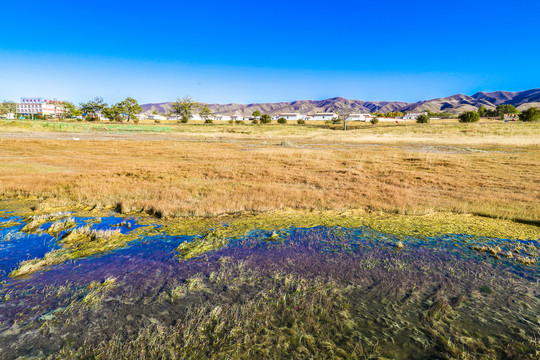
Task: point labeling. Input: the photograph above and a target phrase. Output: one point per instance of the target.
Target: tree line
(184, 108)
(127, 109)
(531, 114)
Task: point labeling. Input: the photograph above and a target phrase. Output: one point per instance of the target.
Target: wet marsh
(301, 292)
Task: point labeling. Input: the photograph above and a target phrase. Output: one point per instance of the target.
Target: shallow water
(322, 292)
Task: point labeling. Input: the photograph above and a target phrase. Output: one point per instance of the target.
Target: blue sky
(266, 51)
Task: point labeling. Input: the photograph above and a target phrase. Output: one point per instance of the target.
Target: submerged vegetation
(208, 242)
(339, 291)
(215, 233)
(317, 293)
(76, 242)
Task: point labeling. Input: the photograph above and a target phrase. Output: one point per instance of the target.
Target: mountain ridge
(453, 104)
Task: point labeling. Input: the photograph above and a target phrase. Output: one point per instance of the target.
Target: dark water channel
(303, 293)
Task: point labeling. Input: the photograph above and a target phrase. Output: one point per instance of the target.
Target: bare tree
(345, 114)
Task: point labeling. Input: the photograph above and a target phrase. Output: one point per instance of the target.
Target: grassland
(209, 170)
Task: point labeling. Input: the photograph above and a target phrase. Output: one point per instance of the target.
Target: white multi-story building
(40, 106)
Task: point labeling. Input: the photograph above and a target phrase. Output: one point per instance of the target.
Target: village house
(223, 117)
(290, 116)
(413, 116)
(360, 117)
(323, 116)
(152, 117)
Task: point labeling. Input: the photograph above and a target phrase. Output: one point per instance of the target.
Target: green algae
(437, 223)
(230, 227)
(32, 208)
(486, 289)
(407, 225)
(225, 227)
(210, 241)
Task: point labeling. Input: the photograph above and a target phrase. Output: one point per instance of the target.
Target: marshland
(387, 241)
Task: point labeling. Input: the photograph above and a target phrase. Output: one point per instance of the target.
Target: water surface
(289, 293)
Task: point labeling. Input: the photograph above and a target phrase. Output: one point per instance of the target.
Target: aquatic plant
(97, 291)
(195, 283)
(59, 226)
(319, 293)
(30, 266)
(526, 255)
(526, 260)
(7, 224)
(211, 241)
(35, 221)
(78, 243)
(89, 234)
(245, 310)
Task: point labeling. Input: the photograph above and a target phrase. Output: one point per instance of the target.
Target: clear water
(389, 291)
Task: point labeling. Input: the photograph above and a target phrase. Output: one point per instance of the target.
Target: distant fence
(103, 128)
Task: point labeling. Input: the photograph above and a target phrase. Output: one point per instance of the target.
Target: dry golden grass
(408, 169)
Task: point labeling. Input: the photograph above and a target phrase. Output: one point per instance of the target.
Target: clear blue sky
(265, 51)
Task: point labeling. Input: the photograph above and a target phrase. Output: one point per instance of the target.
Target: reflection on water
(291, 293)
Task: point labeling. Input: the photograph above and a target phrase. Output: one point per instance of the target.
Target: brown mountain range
(452, 104)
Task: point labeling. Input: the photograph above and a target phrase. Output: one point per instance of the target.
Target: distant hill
(301, 106)
(458, 103)
(452, 104)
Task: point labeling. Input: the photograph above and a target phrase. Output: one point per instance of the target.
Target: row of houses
(332, 116)
(287, 116)
(54, 108)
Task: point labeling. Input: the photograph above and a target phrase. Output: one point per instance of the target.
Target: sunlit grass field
(489, 168)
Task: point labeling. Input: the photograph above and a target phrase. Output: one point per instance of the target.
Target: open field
(446, 131)
(488, 168)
